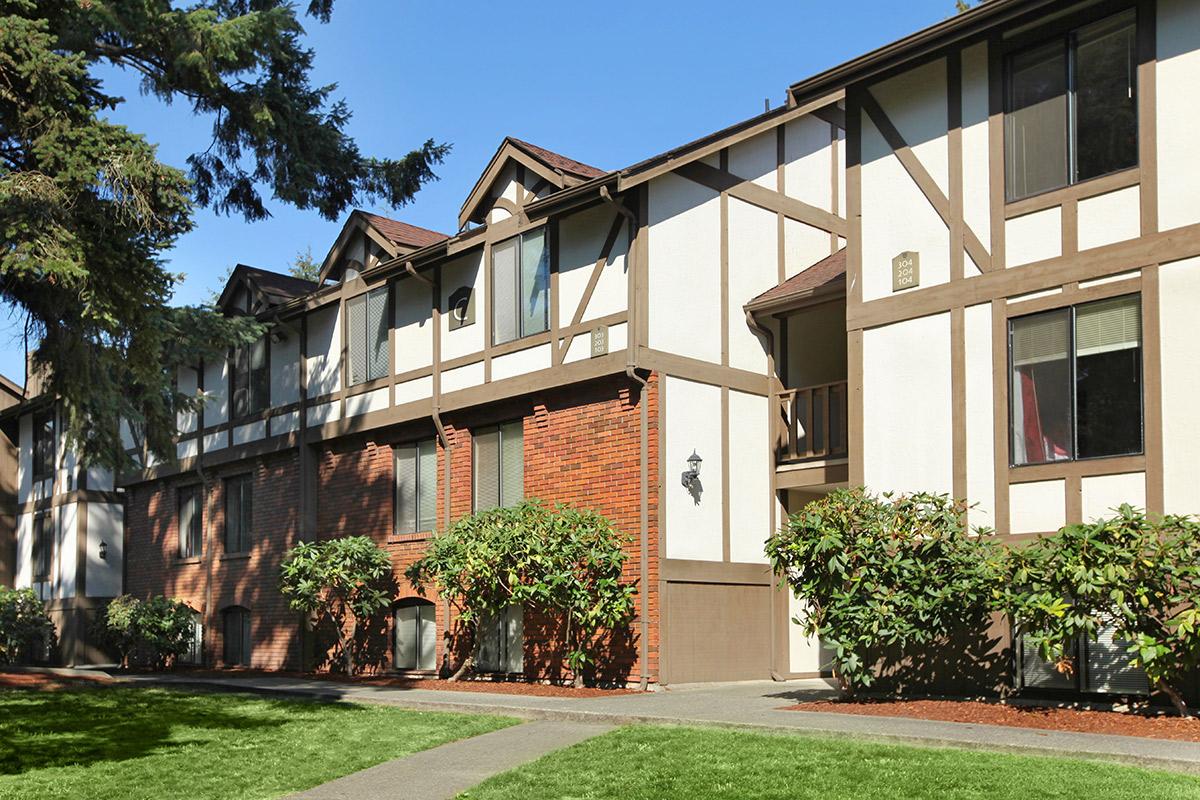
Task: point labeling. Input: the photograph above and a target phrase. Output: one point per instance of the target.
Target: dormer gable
(251, 290)
(518, 173)
(366, 239)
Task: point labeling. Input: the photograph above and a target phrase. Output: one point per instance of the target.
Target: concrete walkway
(753, 705)
(443, 772)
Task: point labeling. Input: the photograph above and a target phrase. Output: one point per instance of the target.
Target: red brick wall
(581, 447)
(217, 581)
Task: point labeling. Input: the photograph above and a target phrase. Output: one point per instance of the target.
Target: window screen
(239, 513)
(499, 466)
(190, 523)
(367, 332)
(251, 377)
(1107, 667)
(43, 546)
(416, 487)
(195, 653)
(1076, 388)
(236, 647)
(1071, 108)
(43, 444)
(501, 638)
(520, 287)
(416, 636)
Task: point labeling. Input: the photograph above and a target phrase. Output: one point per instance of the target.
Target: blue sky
(606, 83)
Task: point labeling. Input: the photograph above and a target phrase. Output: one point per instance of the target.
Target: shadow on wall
(978, 658)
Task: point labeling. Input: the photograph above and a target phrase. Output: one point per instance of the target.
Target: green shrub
(24, 625)
(562, 560)
(343, 581)
(155, 632)
(880, 571)
(1136, 575)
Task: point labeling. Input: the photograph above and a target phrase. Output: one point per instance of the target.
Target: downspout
(772, 404)
(644, 462)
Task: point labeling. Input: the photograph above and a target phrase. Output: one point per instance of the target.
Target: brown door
(717, 632)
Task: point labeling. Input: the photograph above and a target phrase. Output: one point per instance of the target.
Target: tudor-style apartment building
(962, 263)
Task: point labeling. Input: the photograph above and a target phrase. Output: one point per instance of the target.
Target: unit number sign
(906, 270)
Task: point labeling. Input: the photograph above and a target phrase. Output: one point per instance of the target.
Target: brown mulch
(466, 685)
(1148, 725)
(45, 682)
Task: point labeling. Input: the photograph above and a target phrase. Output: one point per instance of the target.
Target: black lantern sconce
(691, 476)
(103, 550)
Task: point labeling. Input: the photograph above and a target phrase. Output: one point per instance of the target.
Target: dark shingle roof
(402, 233)
(559, 162)
(278, 286)
(826, 272)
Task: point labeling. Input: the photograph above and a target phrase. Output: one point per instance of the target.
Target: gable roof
(555, 168)
(401, 233)
(827, 276)
(271, 288)
(11, 394)
(393, 237)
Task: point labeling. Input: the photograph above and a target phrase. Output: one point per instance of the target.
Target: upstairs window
(520, 287)
(251, 377)
(499, 455)
(191, 537)
(43, 547)
(239, 513)
(43, 444)
(416, 487)
(1071, 108)
(367, 334)
(1077, 382)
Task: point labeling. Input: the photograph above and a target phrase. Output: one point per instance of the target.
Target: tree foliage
(877, 572)
(562, 560)
(342, 581)
(1136, 576)
(156, 631)
(24, 625)
(305, 267)
(88, 212)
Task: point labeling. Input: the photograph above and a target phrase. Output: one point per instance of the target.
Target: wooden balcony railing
(813, 423)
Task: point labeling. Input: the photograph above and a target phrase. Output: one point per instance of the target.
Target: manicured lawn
(660, 763)
(125, 742)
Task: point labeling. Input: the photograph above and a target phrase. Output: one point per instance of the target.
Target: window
(43, 444)
(235, 630)
(251, 376)
(500, 641)
(520, 287)
(43, 546)
(367, 334)
(195, 653)
(416, 635)
(239, 513)
(1076, 382)
(1071, 108)
(416, 487)
(499, 466)
(191, 541)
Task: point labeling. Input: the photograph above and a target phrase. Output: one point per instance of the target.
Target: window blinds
(505, 303)
(512, 463)
(1108, 325)
(1039, 338)
(426, 485)
(487, 477)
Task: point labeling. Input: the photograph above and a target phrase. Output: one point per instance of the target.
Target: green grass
(666, 763)
(125, 742)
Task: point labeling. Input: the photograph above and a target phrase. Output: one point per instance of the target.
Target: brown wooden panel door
(717, 632)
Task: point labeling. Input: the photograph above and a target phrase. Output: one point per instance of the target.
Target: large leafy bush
(156, 631)
(343, 581)
(1138, 576)
(562, 560)
(24, 625)
(878, 572)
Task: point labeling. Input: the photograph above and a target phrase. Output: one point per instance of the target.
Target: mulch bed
(45, 682)
(467, 685)
(1149, 725)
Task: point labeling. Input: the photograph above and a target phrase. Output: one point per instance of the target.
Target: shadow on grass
(90, 725)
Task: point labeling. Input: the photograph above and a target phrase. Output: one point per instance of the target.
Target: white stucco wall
(375, 400)
(976, 176)
(66, 520)
(1033, 237)
(980, 416)
(1177, 73)
(685, 268)
(807, 171)
(693, 423)
(216, 392)
(1179, 289)
(462, 377)
(415, 389)
(750, 465)
(1102, 494)
(464, 271)
(105, 522)
(906, 406)
(754, 160)
(1109, 218)
(24, 458)
(285, 368)
(580, 240)
(414, 325)
(531, 359)
(187, 381)
(753, 268)
(324, 351)
(1038, 507)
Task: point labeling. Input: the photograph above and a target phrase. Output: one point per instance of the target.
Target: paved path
(443, 772)
(755, 705)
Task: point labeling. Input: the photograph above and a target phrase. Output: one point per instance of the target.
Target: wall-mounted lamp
(103, 550)
(691, 476)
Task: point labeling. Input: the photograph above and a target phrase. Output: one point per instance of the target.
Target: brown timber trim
(610, 241)
(955, 163)
(724, 261)
(721, 181)
(1084, 468)
(1073, 496)
(802, 476)
(78, 496)
(780, 219)
(1152, 391)
(835, 176)
(704, 371)
(1147, 98)
(921, 177)
(1173, 245)
(1073, 295)
(854, 293)
(1000, 422)
(725, 532)
(958, 401)
(996, 168)
(681, 570)
(1070, 227)
(1074, 193)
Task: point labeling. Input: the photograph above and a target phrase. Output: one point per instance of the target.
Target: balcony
(812, 445)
